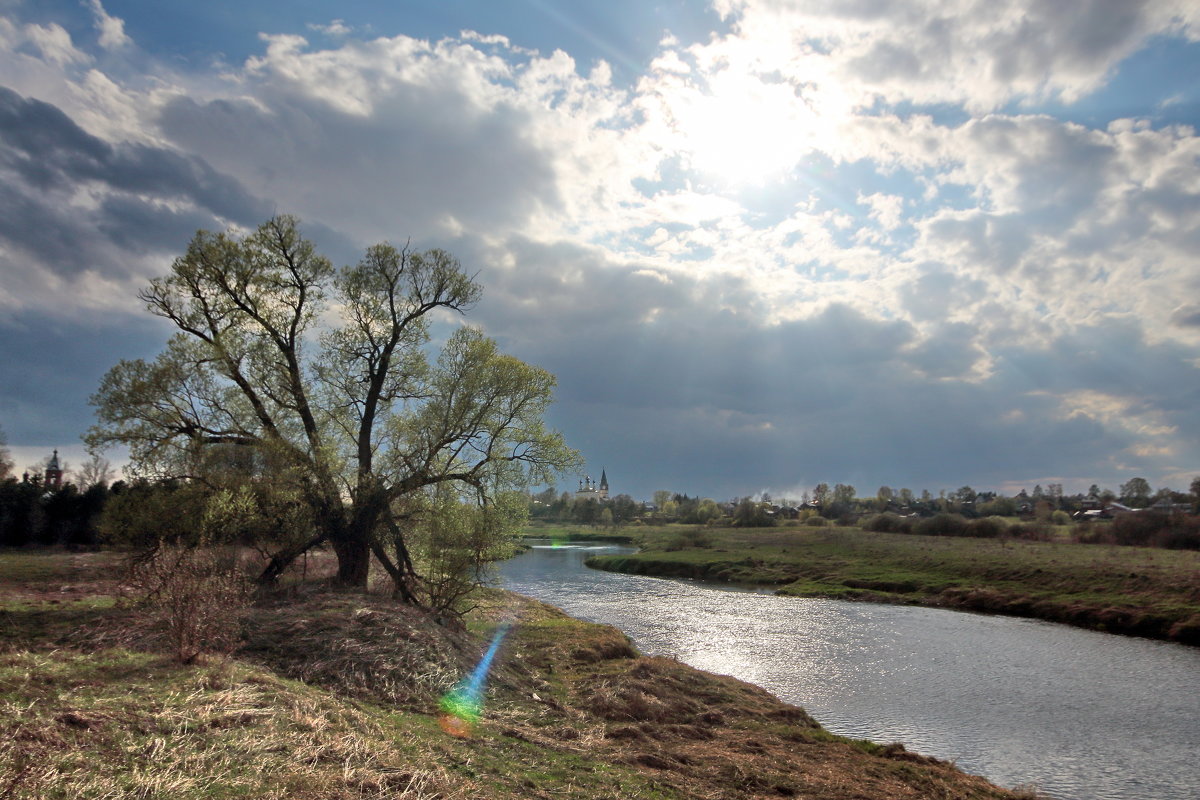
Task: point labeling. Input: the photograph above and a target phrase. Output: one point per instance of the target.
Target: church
(589, 490)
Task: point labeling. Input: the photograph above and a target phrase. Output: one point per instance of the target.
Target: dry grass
(118, 724)
(335, 696)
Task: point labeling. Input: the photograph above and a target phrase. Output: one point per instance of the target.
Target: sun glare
(744, 130)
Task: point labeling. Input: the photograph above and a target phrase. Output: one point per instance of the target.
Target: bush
(1140, 529)
(1060, 518)
(986, 528)
(1182, 534)
(1088, 532)
(196, 594)
(815, 522)
(1152, 529)
(688, 538)
(1031, 531)
(888, 523)
(942, 525)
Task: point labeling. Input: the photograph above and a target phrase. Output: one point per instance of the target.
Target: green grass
(580, 533)
(1141, 591)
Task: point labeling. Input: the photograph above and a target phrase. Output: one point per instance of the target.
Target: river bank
(333, 695)
(1136, 591)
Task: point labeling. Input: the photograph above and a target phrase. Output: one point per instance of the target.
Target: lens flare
(462, 706)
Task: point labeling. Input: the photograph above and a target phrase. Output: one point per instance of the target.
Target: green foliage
(998, 507)
(687, 538)
(888, 523)
(318, 386)
(31, 515)
(1136, 493)
(941, 525)
(454, 542)
(751, 514)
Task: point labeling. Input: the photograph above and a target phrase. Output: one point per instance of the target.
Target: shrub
(888, 523)
(1031, 531)
(1060, 518)
(815, 522)
(688, 538)
(1143, 529)
(1139, 529)
(986, 528)
(196, 594)
(1182, 536)
(1088, 532)
(942, 525)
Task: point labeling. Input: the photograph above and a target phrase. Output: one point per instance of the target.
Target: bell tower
(53, 479)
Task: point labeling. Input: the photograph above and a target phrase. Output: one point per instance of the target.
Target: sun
(742, 128)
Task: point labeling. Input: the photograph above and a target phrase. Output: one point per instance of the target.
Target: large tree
(325, 377)
(1136, 492)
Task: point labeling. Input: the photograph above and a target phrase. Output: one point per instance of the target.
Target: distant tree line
(1161, 520)
(32, 515)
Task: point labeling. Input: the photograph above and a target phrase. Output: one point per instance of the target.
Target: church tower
(53, 478)
(603, 485)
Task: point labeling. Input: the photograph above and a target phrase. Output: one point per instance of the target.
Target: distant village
(594, 503)
(49, 505)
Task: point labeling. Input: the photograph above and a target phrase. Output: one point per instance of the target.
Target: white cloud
(335, 28)
(110, 28)
(756, 211)
(54, 44)
(977, 53)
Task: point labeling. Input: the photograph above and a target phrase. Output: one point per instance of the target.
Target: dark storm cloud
(53, 364)
(50, 151)
(1187, 317)
(46, 157)
(682, 383)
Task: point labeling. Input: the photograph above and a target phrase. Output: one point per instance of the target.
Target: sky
(761, 244)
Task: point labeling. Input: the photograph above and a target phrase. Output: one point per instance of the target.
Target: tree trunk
(354, 561)
(283, 559)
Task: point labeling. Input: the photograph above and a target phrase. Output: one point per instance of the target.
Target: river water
(1078, 715)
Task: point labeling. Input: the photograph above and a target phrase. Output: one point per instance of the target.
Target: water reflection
(1080, 714)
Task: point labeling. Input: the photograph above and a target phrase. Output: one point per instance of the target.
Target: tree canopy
(322, 381)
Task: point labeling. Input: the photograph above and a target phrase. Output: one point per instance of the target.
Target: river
(1077, 714)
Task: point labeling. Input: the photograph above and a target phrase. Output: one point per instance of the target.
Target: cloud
(766, 262)
(976, 53)
(409, 141)
(53, 363)
(73, 204)
(110, 28)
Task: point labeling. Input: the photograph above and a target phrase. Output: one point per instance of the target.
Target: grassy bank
(336, 696)
(581, 533)
(1130, 590)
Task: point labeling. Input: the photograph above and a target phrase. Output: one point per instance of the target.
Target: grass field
(335, 695)
(1140, 591)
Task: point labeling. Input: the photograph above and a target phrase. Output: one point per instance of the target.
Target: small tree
(96, 471)
(455, 540)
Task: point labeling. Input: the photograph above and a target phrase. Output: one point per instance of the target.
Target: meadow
(1140, 591)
